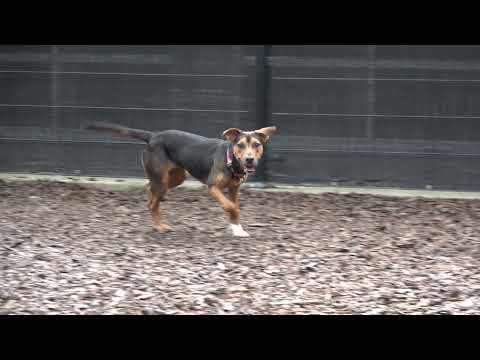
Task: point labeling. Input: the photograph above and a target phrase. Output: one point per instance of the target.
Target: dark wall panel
(25, 88)
(222, 93)
(320, 61)
(108, 159)
(24, 116)
(431, 53)
(427, 98)
(48, 94)
(70, 125)
(347, 169)
(156, 59)
(384, 115)
(444, 172)
(319, 96)
(25, 57)
(377, 115)
(429, 128)
(456, 172)
(319, 125)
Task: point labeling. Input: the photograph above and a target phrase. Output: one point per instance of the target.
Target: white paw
(237, 230)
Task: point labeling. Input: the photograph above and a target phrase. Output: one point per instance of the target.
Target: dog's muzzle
(250, 165)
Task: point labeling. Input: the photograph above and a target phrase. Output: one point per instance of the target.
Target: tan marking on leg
(227, 205)
(234, 196)
(157, 223)
(176, 177)
(220, 181)
(166, 170)
(150, 196)
(158, 192)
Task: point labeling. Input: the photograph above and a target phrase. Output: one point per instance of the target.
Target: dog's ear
(265, 133)
(231, 134)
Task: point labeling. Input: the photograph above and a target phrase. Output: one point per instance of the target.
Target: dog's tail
(121, 131)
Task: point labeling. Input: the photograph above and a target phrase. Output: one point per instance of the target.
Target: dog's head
(248, 145)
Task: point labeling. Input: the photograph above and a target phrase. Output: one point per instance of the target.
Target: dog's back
(192, 152)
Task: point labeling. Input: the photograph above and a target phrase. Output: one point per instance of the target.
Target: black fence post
(262, 97)
(54, 85)
(371, 96)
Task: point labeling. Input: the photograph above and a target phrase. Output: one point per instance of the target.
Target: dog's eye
(241, 145)
(256, 145)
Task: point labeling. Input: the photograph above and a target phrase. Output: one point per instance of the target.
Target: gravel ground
(70, 249)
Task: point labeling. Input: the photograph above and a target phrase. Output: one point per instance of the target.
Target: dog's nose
(249, 160)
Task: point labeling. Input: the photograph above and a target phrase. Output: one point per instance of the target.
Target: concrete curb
(128, 183)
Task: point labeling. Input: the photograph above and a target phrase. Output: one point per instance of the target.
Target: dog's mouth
(250, 168)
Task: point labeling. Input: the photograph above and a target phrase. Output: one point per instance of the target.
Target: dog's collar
(239, 175)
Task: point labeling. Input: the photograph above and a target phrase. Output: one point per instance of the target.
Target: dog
(221, 164)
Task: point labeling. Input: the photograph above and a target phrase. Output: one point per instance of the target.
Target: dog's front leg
(231, 207)
(234, 195)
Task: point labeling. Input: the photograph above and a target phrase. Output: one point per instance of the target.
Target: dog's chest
(237, 180)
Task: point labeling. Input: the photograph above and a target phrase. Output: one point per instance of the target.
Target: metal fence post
(262, 97)
(54, 85)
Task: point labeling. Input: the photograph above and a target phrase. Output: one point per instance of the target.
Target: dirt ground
(71, 249)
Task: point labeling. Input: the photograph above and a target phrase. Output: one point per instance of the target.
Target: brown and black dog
(220, 164)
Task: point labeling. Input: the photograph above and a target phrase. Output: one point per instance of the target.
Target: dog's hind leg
(157, 167)
(149, 194)
(176, 177)
(158, 192)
